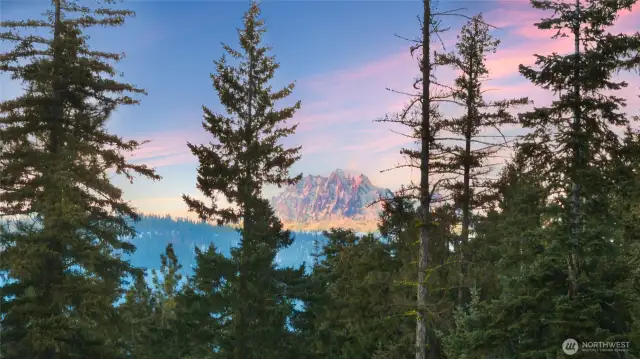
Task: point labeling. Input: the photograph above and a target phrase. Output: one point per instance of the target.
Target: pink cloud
(521, 21)
(378, 141)
(168, 148)
(359, 94)
(504, 17)
(355, 97)
(532, 32)
(176, 159)
(374, 68)
(351, 99)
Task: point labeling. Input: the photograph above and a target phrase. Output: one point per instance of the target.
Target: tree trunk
(240, 320)
(466, 187)
(425, 196)
(577, 163)
(52, 265)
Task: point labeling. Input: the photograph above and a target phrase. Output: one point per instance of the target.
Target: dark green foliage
(250, 296)
(247, 155)
(156, 320)
(138, 321)
(63, 257)
(266, 298)
(554, 253)
(353, 313)
(468, 162)
(503, 248)
(565, 266)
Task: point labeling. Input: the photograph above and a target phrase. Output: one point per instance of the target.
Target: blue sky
(341, 54)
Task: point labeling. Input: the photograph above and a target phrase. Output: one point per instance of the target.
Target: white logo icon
(570, 346)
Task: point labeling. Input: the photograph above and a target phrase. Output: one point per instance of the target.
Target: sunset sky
(341, 54)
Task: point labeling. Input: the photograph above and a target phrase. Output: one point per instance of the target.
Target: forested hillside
(155, 233)
(507, 246)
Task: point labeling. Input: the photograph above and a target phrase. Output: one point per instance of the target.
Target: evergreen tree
(571, 276)
(501, 254)
(165, 320)
(469, 161)
(216, 294)
(204, 304)
(399, 225)
(166, 284)
(422, 116)
(138, 321)
(246, 157)
(353, 314)
(68, 220)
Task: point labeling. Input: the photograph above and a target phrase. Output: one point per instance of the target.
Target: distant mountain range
(343, 199)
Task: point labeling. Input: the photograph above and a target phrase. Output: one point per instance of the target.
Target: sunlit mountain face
(343, 199)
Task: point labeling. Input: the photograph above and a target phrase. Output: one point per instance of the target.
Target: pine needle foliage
(246, 155)
(250, 296)
(568, 277)
(62, 258)
(469, 159)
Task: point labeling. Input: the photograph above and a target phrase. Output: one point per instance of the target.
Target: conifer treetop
(583, 80)
(246, 154)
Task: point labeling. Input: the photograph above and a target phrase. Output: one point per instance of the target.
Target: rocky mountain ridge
(342, 200)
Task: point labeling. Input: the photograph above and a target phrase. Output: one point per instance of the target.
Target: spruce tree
(62, 256)
(246, 156)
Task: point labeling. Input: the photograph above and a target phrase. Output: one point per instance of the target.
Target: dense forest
(505, 264)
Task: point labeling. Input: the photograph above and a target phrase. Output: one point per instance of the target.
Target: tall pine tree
(469, 162)
(245, 157)
(62, 258)
(421, 116)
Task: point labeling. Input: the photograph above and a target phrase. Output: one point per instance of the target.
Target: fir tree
(571, 281)
(138, 321)
(166, 284)
(246, 157)
(421, 116)
(353, 313)
(500, 256)
(216, 290)
(204, 304)
(399, 225)
(580, 79)
(55, 157)
(469, 161)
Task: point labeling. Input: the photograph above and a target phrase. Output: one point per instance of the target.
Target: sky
(342, 55)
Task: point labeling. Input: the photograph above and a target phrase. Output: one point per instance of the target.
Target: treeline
(505, 264)
(156, 232)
